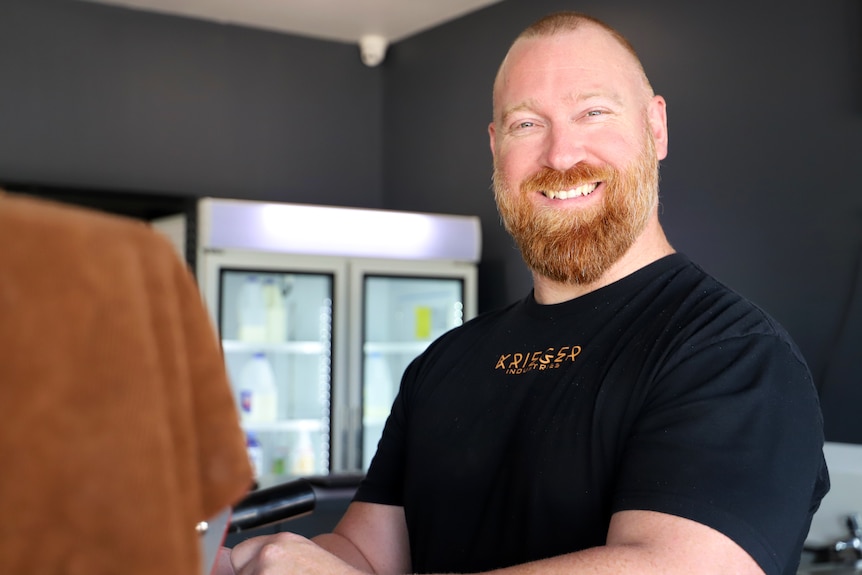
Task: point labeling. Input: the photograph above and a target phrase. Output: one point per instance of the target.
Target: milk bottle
(252, 311)
(303, 462)
(255, 454)
(276, 311)
(258, 395)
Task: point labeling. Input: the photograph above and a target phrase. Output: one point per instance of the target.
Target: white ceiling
(336, 20)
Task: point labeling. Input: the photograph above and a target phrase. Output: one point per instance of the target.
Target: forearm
(649, 543)
(624, 559)
(344, 549)
(617, 560)
(594, 561)
(640, 542)
(371, 538)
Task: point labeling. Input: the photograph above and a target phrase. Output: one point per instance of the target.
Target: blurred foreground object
(118, 431)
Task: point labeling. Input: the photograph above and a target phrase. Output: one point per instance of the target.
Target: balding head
(562, 23)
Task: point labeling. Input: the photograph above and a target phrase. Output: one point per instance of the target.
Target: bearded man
(630, 415)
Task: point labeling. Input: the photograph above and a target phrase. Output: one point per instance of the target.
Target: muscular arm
(370, 538)
(647, 542)
(373, 539)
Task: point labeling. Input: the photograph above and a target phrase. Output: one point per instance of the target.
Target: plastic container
(303, 461)
(251, 311)
(255, 454)
(276, 311)
(258, 394)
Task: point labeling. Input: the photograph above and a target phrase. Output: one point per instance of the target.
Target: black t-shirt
(516, 436)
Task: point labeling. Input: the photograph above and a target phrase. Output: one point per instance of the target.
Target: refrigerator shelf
(295, 347)
(285, 425)
(411, 347)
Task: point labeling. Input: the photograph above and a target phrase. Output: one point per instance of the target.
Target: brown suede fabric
(118, 431)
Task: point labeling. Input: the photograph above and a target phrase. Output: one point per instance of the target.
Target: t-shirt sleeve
(731, 437)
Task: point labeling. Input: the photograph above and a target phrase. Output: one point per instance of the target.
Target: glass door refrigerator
(276, 315)
(319, 310)
(404, 307)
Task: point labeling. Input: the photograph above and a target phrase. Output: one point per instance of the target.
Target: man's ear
(492, 134)
(657, 118)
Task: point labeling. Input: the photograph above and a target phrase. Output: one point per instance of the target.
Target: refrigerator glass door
(276, 328)
(402, 315)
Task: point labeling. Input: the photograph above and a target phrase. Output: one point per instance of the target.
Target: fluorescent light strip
(322, 230)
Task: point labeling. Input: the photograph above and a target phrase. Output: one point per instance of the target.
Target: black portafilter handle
(272, 505)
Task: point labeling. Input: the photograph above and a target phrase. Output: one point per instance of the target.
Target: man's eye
(595, 112)
(522, 125)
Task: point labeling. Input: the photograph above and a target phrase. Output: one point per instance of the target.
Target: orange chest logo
(550, 358)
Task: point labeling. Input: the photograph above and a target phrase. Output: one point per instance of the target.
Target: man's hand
(222, 564)
(282, 554)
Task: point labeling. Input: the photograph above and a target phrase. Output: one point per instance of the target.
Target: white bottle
(258, 395)
(276, 312)
(303, 461)
(255, 454)
(252, 311)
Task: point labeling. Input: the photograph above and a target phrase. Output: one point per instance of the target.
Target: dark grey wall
(763, 182)
(99, 97)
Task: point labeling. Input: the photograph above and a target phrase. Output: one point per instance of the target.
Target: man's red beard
(577, 246)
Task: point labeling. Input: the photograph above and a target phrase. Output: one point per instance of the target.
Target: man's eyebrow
(597, 95)
(580, 97)
(613, 96)
(523, 106)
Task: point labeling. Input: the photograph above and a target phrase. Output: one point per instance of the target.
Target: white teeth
(584, 190)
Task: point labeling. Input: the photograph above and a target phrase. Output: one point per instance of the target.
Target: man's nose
(564, 147)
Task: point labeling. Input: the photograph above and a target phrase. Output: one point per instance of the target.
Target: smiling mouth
(580, 191)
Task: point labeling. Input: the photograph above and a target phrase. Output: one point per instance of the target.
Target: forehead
(587, 59)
